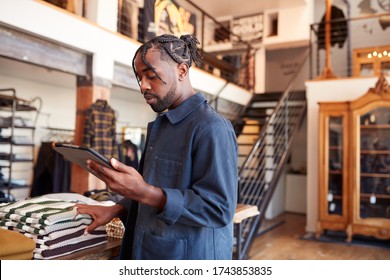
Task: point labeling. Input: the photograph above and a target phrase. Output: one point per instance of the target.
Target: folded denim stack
(52, 224)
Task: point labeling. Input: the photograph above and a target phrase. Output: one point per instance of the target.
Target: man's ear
(182, 70)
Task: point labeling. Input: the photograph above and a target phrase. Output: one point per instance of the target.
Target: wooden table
(110, 250)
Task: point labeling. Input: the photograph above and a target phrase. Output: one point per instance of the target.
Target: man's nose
(144, 85)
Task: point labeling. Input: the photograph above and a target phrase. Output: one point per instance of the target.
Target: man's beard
(166, 101)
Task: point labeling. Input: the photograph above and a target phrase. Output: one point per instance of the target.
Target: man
(181, 203)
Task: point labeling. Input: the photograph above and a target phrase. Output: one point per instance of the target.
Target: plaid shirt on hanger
(99, 129)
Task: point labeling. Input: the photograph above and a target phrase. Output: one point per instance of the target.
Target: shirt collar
(101, 103)
(185, 108)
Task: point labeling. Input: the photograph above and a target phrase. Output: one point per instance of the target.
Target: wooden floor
(283, 242)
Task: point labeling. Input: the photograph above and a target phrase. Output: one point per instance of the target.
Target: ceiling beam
(39, 51)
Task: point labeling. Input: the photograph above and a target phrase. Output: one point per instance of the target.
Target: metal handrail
(260, 171)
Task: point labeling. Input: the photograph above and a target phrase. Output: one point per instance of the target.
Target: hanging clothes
(339, 29)
(130, 152)
(99, 129)
(52, 172)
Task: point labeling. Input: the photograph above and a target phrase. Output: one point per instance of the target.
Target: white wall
(319, 91)
(299, 149)
(288, 33)
(295, 198)
(281, 67)
(276, 205)
(290, 36)
(260, 63)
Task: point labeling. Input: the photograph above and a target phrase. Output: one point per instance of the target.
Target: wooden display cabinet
(370, 62)
(333, 167)
(354, 143)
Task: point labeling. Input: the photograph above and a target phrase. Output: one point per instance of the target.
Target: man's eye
(151, 77)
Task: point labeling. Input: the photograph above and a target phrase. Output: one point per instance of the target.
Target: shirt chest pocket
(167, 172)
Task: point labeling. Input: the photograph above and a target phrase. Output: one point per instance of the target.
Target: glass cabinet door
(335, 168)
(374, 196)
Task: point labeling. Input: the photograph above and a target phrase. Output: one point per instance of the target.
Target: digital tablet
(80, 155)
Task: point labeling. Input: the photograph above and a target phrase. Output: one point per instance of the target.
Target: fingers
(95, 214)
(95, 166)
(77, 208)
(103, 172)
(91, 227)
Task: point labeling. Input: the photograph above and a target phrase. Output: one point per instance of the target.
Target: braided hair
(180, 50)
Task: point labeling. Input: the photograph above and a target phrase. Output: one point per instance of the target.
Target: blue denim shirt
(191, 154)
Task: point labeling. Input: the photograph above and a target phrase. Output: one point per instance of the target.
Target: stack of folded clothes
(15, 246)
(52, 224)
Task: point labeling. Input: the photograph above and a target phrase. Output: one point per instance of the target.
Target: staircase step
(242, 155)
(262, 105)
(268, 96)
(259, 121)
(256, 110)
(256, 115)
(250, 133)
(245, 144)
(254, 123)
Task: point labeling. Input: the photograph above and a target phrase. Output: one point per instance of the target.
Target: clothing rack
(58, 135)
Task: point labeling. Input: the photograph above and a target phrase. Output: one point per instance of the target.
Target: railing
(225, 52)
(235, 64)
(348, 36)
(230, 110)
(261, 170)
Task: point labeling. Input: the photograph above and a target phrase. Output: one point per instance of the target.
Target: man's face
(159, 94)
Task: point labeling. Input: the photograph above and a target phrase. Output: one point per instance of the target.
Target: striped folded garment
(52, 224)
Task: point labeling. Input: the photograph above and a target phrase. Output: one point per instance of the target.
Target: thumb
(91, 227)
(120, 166)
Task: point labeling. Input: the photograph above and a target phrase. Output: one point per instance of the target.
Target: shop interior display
(354, 165)
(17, 127)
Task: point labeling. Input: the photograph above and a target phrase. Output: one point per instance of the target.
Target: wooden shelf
(245, 211)
(377, 195)
(375, 152)
(375, 126)
(375, 175)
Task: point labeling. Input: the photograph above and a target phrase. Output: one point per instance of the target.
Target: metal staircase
(265, 132)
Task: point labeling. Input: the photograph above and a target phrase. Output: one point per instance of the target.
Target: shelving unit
(17, 128)
(354, 174)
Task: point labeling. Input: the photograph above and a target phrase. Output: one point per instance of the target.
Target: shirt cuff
(173, 207)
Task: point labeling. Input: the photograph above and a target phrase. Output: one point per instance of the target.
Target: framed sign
(249, 28)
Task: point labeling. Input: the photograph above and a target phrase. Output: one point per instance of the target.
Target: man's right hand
(101, 215)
